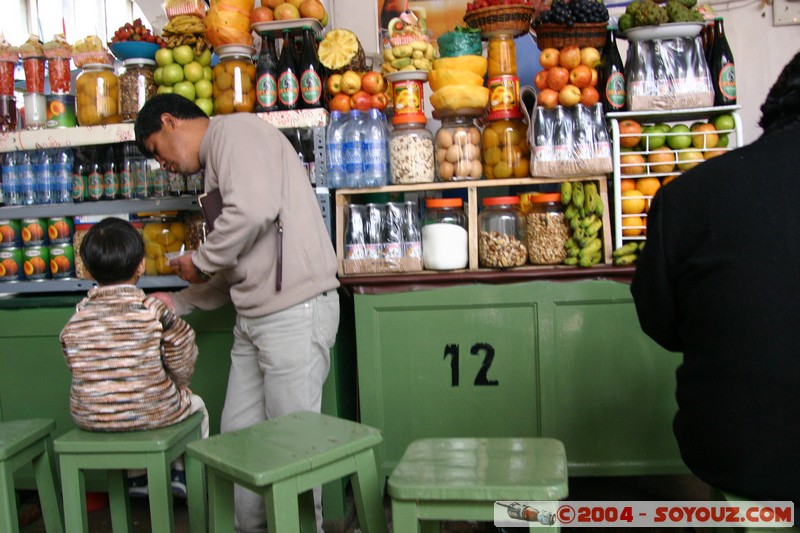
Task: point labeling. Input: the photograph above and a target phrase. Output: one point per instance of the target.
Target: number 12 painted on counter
(452, 350)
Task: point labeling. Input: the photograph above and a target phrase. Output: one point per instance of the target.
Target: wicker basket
(516, 18)
(581, 34)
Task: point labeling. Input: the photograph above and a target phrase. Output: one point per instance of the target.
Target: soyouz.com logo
(771, 514)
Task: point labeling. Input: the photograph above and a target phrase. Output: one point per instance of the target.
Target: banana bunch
(584, 211)
(628, 253)
(418, 55)
(186, 30)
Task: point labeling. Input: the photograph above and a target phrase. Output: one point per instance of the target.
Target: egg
(453, 153)
(444, 139)
(475, 136)
(476, 170)
(446, 171)
(463, 168)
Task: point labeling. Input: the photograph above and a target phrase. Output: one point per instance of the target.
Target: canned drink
(9, 234)
(33, 231)
(62, 261)
(60, 230)
(36, 263)
(61, 111)
(10, 264)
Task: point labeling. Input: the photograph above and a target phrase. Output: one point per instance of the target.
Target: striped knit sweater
(131, 360)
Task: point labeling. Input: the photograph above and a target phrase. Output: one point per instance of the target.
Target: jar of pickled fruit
(506, 153)
(98, 95)
(458, 150)
(163, 235)
(234, 80)
(502, 81)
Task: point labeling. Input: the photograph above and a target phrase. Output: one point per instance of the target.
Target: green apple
(172, 74)
(679, 137)
(723, 140)
(724, 122)
(663, 126)
(206, 105)
(689, 159)
(164, 57)
(183, 54)
(193, 72)
(165, 89)
(204, 58)
(203, 89)
(185, 89)
(653, 137)
(208, 74)
(158, 76)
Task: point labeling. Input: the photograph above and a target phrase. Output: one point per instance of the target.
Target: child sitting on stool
(130, 356)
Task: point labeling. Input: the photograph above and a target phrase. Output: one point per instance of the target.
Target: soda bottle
(375, 150)
(43, 172)
(288, 84)
(334, 141)
(11, 179)
(137, 167)
(356, 234)
(723, 69)
(94, 177)
(266, 76)
(375, 231)
(354, 149)
(110, 174)
(79, 177)
(392, 231)
(412, 235)
(27, 187)
(62, 175)
(612, 77)
(310, 80)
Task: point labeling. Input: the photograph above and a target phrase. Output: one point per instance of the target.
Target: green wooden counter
(505, 357)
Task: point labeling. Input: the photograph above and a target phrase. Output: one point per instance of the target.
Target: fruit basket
(513, 18)
(581, 34)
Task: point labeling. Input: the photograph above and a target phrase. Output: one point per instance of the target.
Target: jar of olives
(98, 95)
(234, 79)
(458, 150)
(506, 153)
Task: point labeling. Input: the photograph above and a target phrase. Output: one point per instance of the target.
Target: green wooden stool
(116, 452)
(24, 442)
(284, 459)
(461, 478)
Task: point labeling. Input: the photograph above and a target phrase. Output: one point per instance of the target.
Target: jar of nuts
(547, 229)
(234, 80)
(458, 150)
(137, 85)
(501, 238)
(411, 155)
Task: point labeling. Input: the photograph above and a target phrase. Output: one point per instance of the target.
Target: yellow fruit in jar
(178, 229)
(223, 81)
(223, 104)
(246, 102)
(152, 231)
(246, 84)
(488, 171)
(154, 249)
(176, 246)
(250, 71)
(491, 139)
(150, 266)
(162, 266)
(491, 156)
(511, 154)
(503, 170)
(523, 168)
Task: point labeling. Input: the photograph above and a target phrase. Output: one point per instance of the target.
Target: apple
(158, 76)
(723, 140)
(379, 101)
(653, 137)
(569, 56)
(193, 72)
(569, 95)
(340, 102)
(662, 160)
(205, 58)
(580, 76)
(206, 104)
(679, 137)
(164, 57)
(203, 89)
(549, 58)
(351, 82)
(590, 56)
(334, 84)
(595, 78)
(704, 136)
(172, 74)
(630, 133)
(540, 81)
(208, 74)
(185, 89)
(724, 122)
(557, 78)
(164, 89)
(261, 14)
(589, 96)
(286, 11)
(373, 82)
(361, 100)
(632, 164)
(183, 54)
(689, 159)
(548, 98)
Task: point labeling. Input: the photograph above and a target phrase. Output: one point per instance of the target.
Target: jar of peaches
(97, 95)
(506, 153)
(234, 79)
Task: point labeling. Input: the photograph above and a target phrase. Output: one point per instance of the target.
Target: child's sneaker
(137, 486)
(179, 483)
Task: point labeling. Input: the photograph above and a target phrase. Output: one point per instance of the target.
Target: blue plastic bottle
(11, 179)
(376, 150)
(26, 184)
(334, 140)
(354, 149)
(61, 165)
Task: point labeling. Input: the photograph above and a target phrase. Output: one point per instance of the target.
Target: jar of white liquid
(444, 235)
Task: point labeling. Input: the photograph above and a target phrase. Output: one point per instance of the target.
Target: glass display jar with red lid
(444, 234)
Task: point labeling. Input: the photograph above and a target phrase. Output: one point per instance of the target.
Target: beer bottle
(310, 81)
(723, 69)
(266, 76)
(612, 77)
(288, 84)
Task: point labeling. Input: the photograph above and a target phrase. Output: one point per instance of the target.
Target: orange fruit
(668, 179)
(9, 266)
(632, 226)
(648, 186)
(340, 102)
(632, 202)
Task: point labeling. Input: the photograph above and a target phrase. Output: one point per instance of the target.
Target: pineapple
(340, 50)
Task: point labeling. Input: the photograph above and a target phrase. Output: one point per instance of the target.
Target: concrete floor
(633, 488)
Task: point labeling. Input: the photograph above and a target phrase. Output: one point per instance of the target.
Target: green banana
(641, 245)
(571, 244)
(579, 234)
(589, 260)
(594, 245)
(598, 206)
(571, 261)
(571, 211)
(589, 220)
(593, 228)
(627, 248)
(590, 196)
(566, 192)
(577, 194)
(573, 252)
(575, 223)
(627, 259)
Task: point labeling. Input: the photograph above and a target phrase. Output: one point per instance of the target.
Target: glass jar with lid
(411, 154)
(97, 95)
(234, 79)
(137, 85)
(444, 234)
(458, 150)
(547, 229)
(163, 234)
(506, 153)
(502, 233)
(502, 79)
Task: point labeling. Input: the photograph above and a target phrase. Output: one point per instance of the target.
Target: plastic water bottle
(376, 150)
(42, 176)
(334, 140)
(354, 149)
(11, 179)
(26, 184)
(61, 165)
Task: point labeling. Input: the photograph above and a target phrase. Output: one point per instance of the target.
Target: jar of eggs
(234, 79)
(458, 150)
(97, 89)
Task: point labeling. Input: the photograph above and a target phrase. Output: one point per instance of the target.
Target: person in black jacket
(719, 280)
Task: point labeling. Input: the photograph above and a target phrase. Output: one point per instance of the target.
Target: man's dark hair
(782, 106)
(112, 250)
(148, 121)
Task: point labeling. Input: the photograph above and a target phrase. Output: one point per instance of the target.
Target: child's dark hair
(112, 250)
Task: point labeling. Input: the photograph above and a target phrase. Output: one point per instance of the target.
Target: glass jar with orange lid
(506, 153)
(445, 236)
(502, 81)
(501, 237)
(547, 229)
(97, 95)
(234, 79)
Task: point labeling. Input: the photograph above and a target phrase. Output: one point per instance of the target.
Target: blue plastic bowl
(134, 49)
